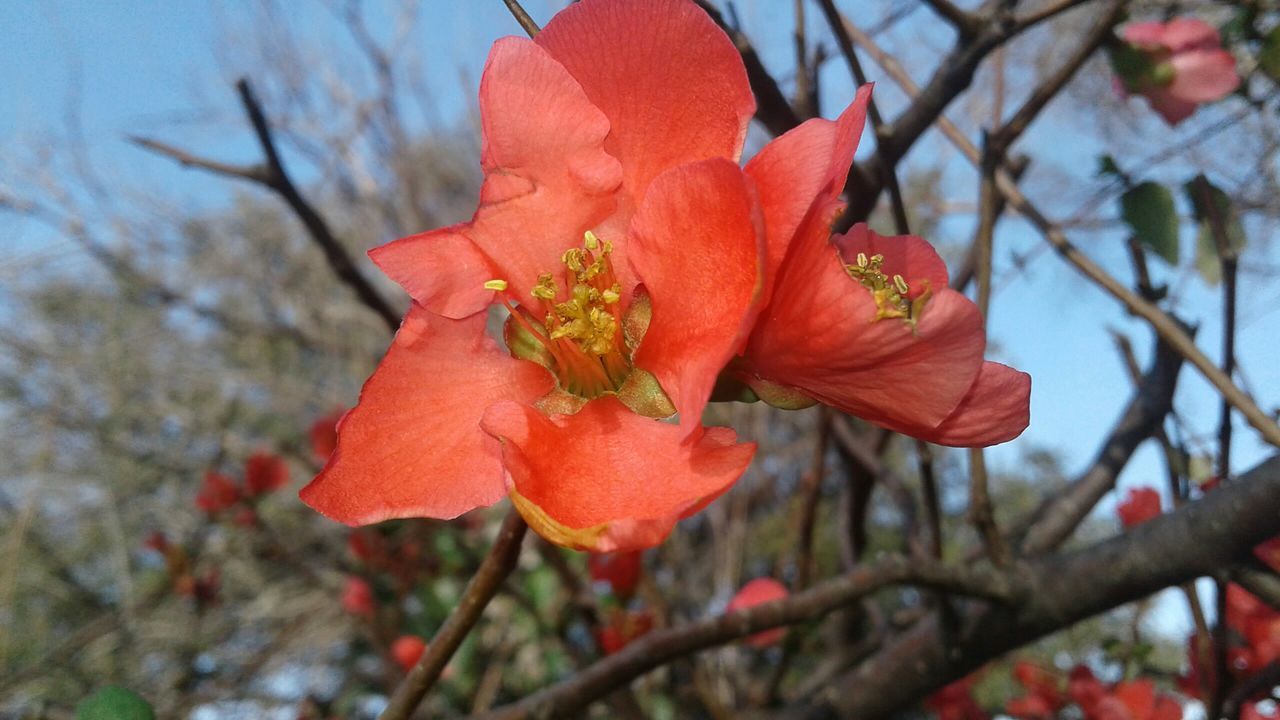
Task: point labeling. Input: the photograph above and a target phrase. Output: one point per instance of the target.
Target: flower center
(890, 293)
(581, 334)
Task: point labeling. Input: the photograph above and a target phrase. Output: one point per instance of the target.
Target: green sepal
(522, 343)
(560, 402)
(780, 396)
(636, 322)
(642, 393)
(730, 388)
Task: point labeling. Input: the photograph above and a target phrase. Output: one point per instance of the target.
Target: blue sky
(138, 64)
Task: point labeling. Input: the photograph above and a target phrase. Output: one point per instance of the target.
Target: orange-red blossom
(640, 265)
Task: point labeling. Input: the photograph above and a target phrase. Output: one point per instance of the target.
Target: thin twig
(964, 23)
(522, 17)
(981, 512)
(493, 571)
(884, 163)
(272, 175)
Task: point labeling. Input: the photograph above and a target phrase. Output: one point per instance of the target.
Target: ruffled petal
(996, 409)
(606, 479)
(804, 167)
(442, 270)
(1187, 33)
(697, 245)
(413, 446)
(820, 335)
(1201, 76)
(548, 178)
(670, 81)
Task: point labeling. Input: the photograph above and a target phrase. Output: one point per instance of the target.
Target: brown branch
(1262, 583)
(657, 648)
(1166, 551)
(884, 163)
(1152, 400)
(964, 23)
(272, 175)
(522, 17)
(981, 513)
(493, 571)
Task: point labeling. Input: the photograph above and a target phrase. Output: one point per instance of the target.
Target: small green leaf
(1135, 67)
(1148, 209)
(1269, 56)
(1207, 262)
(1107, 166)
(114, 703)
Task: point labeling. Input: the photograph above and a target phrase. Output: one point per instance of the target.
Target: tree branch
(1169, 550)
(659, 647)
(272, 175)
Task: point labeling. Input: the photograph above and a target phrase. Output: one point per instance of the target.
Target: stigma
(889, 292)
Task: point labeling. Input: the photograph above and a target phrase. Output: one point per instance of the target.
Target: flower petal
(996, 409)
(548, 178)
(1187, 33)
(442, 270)
(606, 479)
(819, 335)
(413, 446)
(1149, 34)
(1201, 76)
(1173, 109)
(804, 167)
(670, 81)
(697, 244)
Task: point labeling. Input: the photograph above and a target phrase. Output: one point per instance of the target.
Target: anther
(498, 285)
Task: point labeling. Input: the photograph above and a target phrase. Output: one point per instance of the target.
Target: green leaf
(1148, 209)
(1133, 66)
(1269, 56)
(1107, 166)
(1207, 262)
(114, 703)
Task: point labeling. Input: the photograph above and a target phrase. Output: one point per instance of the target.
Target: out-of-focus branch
(1059, 516)
(1166, 551)
(660, 647)
(484, 584)
(964, 23)
(272, 175)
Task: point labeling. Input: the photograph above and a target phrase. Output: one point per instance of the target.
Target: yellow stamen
(890, 293)
(498, 285)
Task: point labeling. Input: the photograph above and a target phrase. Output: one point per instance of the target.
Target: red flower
(357, 597)
(1140, 505)
(861, 322)
(406, 650)
(1043, 698)
(760, 590)
(956, 702)
(1269, 553)
(158, 542)
(1084, 688)
(610, 148)
(623, 627)
(264, 473)
(323, 434)
(621, 570)
(1182, 64)
(217, 493)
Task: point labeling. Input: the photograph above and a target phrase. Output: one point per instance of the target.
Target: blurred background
(161, 322)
